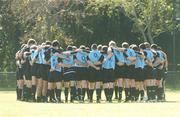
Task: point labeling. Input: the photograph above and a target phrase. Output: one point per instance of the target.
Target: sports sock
(73, 93)
(83, 93)
(98, 94)
(33, 91)
(106, 93)
(66, 93)
(127, 94)
(136, 94)
(116, 92)
(111, 90)
(120, 89)
(91, 94)
(20, 93)
(142, 94)
(79, 93)
(17, 93)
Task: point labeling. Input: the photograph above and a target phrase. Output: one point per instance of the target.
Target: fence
(8, 80)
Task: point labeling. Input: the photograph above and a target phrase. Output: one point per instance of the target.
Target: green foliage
(80, 22)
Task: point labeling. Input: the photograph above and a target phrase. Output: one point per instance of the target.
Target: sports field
(9, 107)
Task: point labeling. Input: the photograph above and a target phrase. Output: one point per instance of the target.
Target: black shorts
(120, 72)
(35, 70)
(27, 72)
(19, 74)
(131, 72)
(94, 75)
(148, 72)
(108, 75)
(44, 71)
(139, 74)
(55, 76)
(69, 74)
(159, 74)
(82, 73)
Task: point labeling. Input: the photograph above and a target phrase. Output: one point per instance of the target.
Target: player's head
(135, 48)
(125, 45)
(99, 47)
(69, 48)
(112, 44)
(94, 47)
(154, 46)
(33, 47)
(74, 48)
(83, 47)
(147, 45)
(105, 49)
(142, 46)
(132, 45)
(55, 44)
(48, 43)
(31, 42)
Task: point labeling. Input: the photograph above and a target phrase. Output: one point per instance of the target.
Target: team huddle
(46, 70)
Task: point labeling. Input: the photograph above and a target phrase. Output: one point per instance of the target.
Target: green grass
(9, 107)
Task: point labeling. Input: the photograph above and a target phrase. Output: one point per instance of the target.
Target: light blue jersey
(130, 53)
(94, 56)
(110, 63)
(54, 63)
(69, 60)
(149, 55)
(119, 56)
(140, 63)
(41, 56)
(82, 58)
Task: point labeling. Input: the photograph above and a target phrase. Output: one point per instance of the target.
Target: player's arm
(91, 64)
(53, 64)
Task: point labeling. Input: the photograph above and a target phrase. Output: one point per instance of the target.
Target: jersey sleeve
(53, 63)
(101, 58)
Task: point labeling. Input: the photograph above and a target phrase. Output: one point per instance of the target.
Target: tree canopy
(80, 22)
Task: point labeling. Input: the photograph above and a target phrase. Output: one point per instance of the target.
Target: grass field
(9, 107)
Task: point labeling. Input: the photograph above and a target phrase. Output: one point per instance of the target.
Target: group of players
(44, 71)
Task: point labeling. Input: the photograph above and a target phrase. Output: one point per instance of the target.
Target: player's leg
(98, 91)
(66, 90)
(111, 90)
(91, 90)
(58, 82)
(120, 88)
(73, 90)
(116, 89)
(84, 85)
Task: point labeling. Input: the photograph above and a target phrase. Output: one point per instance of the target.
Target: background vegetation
(84, 22)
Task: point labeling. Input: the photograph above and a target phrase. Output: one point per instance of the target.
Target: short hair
(48, 42)
(82, 47)
(99, 47)
(112, 43)
(125, 45)
(154, 46)
(142, 46)
(33, 47)
(74, 47)
(94, 46)
(135, 47)
(147, 45)
(104, 49)
(69, 48)
(31, 42)
(132, 45)
(55, 43)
